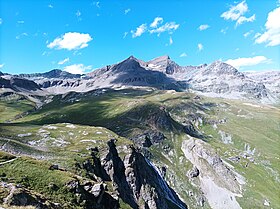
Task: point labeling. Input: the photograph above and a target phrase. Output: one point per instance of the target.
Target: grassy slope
(261, 131)
(10, 108)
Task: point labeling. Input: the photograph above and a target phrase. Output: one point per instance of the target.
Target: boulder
(194, 172)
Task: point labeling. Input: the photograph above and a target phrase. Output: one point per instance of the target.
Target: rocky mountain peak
(129, 64)
(164, 64)
(218, 67)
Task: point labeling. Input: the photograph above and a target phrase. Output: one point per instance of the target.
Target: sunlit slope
(245, 135)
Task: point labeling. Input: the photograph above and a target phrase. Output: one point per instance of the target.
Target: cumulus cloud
(1, 21)
(21, 35)
(139, 31)
(2, 65)
(200, 47)
(224, 30)
(167, 27)
(247, 61)
(125, 34)
(20, 22)
(156, 22)
(248, 33)
(203, 27)
(50, 6)
(184, 54)
(170, 40)
(127, 11)
(243, 19)
(155, 27)
(70, 41)
(236, 13)
(77, 68)
(61, 62)
(272, 34)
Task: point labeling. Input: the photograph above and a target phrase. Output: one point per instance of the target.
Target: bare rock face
(18, 196)
(217, 79)
(19, 84)
(194, 172)
(219, 183)
(148, 138)
(137, 181)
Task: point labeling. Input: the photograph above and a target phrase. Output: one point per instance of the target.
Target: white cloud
(170, 40)
(70, 41)
(127, 11)
(139, 31)
(61, 62)
(154, 27)
(200, 47)
(272, 34)
(97, 4)
(44, 53)
(236, 13)
(77, 68)
(169, 27)
(247, 61)
(156, 22)
(125, 34)
(21, 35)
(1, 21)
(248, 33)
(243, 19)
(224, 30)
(183, 54)
(203, 27)
(2, 65)
(50, 6)
(78, 13)
(20, 22)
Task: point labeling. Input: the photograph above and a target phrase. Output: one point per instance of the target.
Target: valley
(198, 145)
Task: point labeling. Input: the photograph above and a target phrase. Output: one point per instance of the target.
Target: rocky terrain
(140, 134)
(217, 79)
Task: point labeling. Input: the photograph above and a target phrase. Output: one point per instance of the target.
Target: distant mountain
(217, 79)
(270, 79)
(18, 84)
(226, 81)
(55, 73)
(131, 72)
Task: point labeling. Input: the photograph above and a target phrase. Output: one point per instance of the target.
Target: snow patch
(70, 126)
(24, 135)
(225, 137)
(50, 127)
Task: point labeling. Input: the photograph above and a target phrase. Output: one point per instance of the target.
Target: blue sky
(81, 35)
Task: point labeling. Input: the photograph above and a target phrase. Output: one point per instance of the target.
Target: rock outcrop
(137, 180)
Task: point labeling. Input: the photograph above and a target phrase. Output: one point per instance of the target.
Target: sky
(79, 36)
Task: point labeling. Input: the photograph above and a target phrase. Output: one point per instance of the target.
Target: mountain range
(140, 135)
(217, 79)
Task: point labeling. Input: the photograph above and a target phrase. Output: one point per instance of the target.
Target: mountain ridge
(215, 79)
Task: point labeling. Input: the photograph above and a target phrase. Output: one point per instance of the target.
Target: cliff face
(137, 181)
(133, 180)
